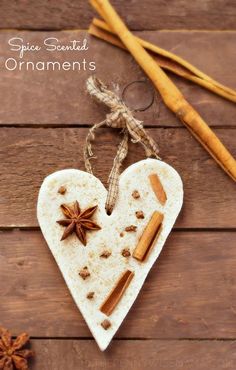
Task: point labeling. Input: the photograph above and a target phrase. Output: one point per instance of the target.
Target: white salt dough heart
(71, 256)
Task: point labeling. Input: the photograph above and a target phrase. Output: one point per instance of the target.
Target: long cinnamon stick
(117, 292)
(148, 237)
(171, 95)
(165, 59)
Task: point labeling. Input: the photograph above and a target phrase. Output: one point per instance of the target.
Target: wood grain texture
(129, 354)
(41, 14)
(59, 98)
(27, 155)
(190, 292)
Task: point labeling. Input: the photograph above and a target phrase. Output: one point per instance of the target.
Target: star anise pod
(12, 356)
(78, 221)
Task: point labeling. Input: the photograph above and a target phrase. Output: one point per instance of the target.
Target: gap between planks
(132, 30)
(137, 339)
(84, 125)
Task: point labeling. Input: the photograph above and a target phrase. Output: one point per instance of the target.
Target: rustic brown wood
(27, 155)
(59, 97)
(190, 292)
(130, 354)
(41, 14)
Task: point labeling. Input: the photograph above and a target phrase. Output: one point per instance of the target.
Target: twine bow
(120, 117)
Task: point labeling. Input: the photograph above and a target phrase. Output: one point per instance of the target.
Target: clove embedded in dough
(106, 324)
(105, 254)
(125, 252)
(62, 190)
(131, 228)
(90, 295)
(139, 214)
(135, 194)
(84, 273)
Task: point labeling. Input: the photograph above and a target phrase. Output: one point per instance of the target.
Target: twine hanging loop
(119, 117)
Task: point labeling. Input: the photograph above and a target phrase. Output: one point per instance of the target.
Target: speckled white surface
(71, 255)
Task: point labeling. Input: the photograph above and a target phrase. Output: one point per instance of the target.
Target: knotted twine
(120, 117)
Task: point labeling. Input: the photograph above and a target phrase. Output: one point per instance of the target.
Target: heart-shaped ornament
(105, 276)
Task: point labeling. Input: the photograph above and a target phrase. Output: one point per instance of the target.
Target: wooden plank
(206, 14)
(28, 155)
(130, 354)
(59, 98)
(190, 292)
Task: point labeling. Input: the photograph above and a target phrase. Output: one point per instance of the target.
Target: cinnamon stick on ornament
(117, 292)
(149, 236)
(170, 94)
(158, 188)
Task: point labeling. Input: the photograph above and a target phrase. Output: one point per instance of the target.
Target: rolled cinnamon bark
(171, 95)
(117, 292)
(158, 188)
(165, 59)
(148, 237)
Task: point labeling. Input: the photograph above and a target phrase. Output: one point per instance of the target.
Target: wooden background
(185, 316)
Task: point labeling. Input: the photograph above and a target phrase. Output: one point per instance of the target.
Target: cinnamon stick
(158, 188)
(171, 95)
(117, 292)
(149, 236)
(165, 59)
